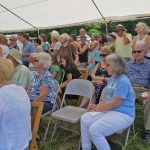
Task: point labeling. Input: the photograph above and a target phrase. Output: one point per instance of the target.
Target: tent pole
(38, 32)
(106, 27)
(101, 16)
(18, 16)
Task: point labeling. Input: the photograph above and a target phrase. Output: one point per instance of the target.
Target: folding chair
(36, 111)
(50, 111)
(72, 114)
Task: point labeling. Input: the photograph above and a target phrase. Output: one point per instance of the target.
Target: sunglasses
(136, 52)
(103, 55)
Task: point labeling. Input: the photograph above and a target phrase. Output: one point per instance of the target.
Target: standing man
(13, 42)
(123, 44)
(83, 34)
(28, 48)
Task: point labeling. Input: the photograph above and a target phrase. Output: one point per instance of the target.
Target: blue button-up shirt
(28, 47)
(139, 73)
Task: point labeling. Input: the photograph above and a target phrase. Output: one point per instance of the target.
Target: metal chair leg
(127, 136)
(55, 128)
(46, 131)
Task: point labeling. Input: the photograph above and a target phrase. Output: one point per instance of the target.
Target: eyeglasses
(138, 51)
(103, 55)
(35, 60)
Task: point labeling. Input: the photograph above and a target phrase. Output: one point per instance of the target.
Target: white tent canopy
(58, 13)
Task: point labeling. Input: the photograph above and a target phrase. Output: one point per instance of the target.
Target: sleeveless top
(101, 71)
(141, 41)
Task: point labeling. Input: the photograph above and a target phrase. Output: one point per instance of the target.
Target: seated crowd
(119, 69)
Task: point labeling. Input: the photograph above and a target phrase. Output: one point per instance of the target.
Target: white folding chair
(50, 111)
(72, 114)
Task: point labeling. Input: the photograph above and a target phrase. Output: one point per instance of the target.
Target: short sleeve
(121, 90)
(46, 81)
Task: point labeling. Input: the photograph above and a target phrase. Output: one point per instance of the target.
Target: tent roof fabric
(60, 13)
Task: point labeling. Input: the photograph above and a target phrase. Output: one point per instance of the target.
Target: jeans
(47, 107)
(95, 126)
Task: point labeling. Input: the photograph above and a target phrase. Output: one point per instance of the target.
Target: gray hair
(118, 64)
(44, 59)
(65, 36)
(144, 26)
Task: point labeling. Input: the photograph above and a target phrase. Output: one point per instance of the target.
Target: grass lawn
(64, 140)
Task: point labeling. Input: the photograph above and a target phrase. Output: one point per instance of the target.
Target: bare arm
(54, 75)
(43, 93)
(0, 52)
(125, 39)
(108, 105)
(94, 72)
(97, 79)
(147, 43)
(83, 49)
(64, 84)
(93, 46)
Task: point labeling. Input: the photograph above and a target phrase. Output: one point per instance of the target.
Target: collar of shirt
(143, 62)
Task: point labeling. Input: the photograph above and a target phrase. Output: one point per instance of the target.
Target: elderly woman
(15, 125)
(142, 38)
(66, 47)
(116, 110)
(42, 86)
(55, 45)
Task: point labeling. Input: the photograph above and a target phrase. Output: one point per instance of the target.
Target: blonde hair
(106, 50)
(144, 26)
(3, 39)
(55, 35)
(6, 71)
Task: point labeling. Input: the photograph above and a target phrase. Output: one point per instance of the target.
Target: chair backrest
(36, 111)
(57, 89)
(79, 87)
